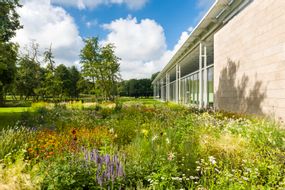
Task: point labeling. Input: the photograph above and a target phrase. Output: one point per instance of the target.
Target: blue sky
(146, 33)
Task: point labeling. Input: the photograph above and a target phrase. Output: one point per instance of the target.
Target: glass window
(194, 88)
(211, 85)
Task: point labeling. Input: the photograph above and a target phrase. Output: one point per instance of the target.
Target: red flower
(73, 131)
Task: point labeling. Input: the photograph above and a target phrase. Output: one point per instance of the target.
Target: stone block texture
(249, 61)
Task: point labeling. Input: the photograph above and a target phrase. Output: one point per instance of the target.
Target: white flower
(154, 137)
(111, 130)
(170, 156)
(167, 140)
(212, 160)
(218, 171)
(175, 178)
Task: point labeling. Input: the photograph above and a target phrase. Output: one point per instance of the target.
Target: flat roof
(216, 10)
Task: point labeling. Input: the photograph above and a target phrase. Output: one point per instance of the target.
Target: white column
(179, 83)
(200, 75)
(205, 78)
(177, 90)
(161, 89)
(167, 87)
(158, 89)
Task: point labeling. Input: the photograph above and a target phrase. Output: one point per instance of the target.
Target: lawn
(140, 144)
(10, 115)
(14, 109)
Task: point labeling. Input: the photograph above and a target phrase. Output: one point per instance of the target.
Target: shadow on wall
(236, 94)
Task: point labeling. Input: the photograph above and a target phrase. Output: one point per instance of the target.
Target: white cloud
(82, 4)
(183, 37)
(47, 24)
(168, 54)
(139, 44)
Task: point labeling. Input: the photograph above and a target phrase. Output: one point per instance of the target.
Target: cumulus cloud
(82, 4)
(140, 44)
(48, 24)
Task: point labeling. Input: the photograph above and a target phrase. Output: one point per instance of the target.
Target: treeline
(35, 76)
(137, 87)
(33, 81)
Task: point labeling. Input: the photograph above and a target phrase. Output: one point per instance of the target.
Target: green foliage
(63, 75)
(13, 139)
(9, 23)
(9, 19)
(69, 172)
(29, 73)
(8, 57)
(136, 88)
(101, 66)
(15, 173)
(161, 146)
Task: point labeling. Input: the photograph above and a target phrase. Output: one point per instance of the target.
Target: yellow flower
(144, 132)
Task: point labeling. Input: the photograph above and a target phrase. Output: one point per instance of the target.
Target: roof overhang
(215, 17)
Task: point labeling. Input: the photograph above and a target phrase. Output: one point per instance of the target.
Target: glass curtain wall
(190, 81)
(189, 90)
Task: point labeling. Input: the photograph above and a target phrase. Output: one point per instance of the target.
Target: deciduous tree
(9, 23)
(101, 66)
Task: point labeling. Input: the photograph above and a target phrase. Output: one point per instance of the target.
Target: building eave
(212, 16)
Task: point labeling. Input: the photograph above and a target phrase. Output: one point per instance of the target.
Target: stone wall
(249, 58)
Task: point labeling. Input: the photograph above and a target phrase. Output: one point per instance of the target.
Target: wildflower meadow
(140, 144)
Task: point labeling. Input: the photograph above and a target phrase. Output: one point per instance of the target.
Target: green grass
(9, 118)
(10, 115)
(14, 109)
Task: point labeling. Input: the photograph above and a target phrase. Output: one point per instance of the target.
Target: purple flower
(109, 168)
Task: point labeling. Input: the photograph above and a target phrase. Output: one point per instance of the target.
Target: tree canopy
(101, 66)
(9, 23)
